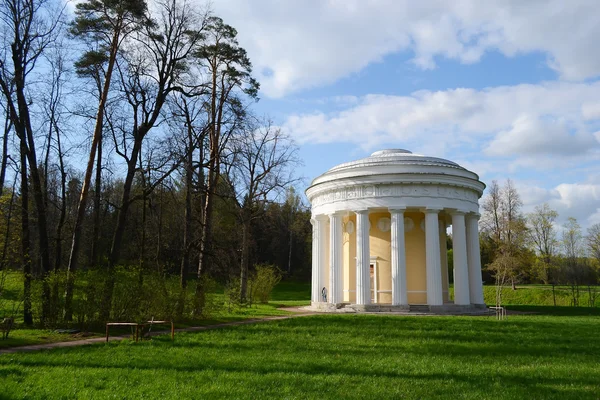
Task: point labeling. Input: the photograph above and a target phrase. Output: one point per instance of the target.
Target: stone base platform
(412, 309)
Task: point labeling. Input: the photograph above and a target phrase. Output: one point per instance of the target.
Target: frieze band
(393, 190)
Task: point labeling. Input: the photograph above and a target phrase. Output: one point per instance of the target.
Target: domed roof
(395, 157)
(396, 162)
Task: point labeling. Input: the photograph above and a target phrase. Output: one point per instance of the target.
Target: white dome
(392, 173)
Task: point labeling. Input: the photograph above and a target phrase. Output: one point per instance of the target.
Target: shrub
(264, 279)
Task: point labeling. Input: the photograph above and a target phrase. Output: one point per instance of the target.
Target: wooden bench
(142, 325)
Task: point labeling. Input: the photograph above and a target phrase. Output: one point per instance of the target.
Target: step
(421, 308)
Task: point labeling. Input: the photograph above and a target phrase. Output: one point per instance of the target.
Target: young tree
(572, 247)
(593, 241)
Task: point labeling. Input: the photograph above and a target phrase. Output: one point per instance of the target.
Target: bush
(262, 282)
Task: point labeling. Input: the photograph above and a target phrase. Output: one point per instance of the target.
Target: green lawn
(331, 356)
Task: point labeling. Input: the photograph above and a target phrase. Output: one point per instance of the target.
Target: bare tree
(572, 244)
(261, 169)
(543, 237)
(492, 209)
(29, 27)
(188, 116)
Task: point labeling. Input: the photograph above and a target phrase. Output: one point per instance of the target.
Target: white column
(336, 260)
(314, 294)
(474, 257)
(459, 251)
(444, 261)
(363, 258)
(318, 256)
(432, 244)
(399, 295)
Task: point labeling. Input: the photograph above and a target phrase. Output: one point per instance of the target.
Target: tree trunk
(97, 194)
(4, 161)
(206, 234)
(25, 240)
(189, 181)
(245, 258)
(25, 133)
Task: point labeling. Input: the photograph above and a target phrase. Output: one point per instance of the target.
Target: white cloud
(532, 121)
(534, 136)
(578, 200)
(300, 44)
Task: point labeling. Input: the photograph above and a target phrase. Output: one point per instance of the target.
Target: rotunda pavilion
(379, 235)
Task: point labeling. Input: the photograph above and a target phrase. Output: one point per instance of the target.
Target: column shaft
(318, 257)
(363, 259)
(399, 294)
(474, 260)
(335, 259)
(314, 294)
(461, 272)
(444, 261)
(434, 273)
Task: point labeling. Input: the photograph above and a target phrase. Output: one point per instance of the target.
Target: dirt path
(83, 342)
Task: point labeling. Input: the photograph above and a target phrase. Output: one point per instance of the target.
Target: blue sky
(508, 89)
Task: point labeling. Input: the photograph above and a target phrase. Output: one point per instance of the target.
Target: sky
(507, 89)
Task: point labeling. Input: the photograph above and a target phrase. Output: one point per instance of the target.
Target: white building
(379, 234)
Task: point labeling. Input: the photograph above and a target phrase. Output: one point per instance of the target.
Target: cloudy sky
(508, 89)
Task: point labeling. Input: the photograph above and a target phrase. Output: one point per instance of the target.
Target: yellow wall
(416, 277)
(380, 247)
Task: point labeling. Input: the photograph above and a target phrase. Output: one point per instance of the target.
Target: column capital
(474, 215)
(456, 211)
(361, 211)
(320, 217)
(336, 214)
(397, 210)
(432, 210)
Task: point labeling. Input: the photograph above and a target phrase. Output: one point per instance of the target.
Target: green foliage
(264, 279)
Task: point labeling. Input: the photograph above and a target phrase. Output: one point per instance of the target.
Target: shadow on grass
(534, 385)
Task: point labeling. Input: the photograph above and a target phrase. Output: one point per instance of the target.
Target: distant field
(541, 295)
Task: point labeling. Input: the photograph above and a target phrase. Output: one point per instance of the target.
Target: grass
(330, 356)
